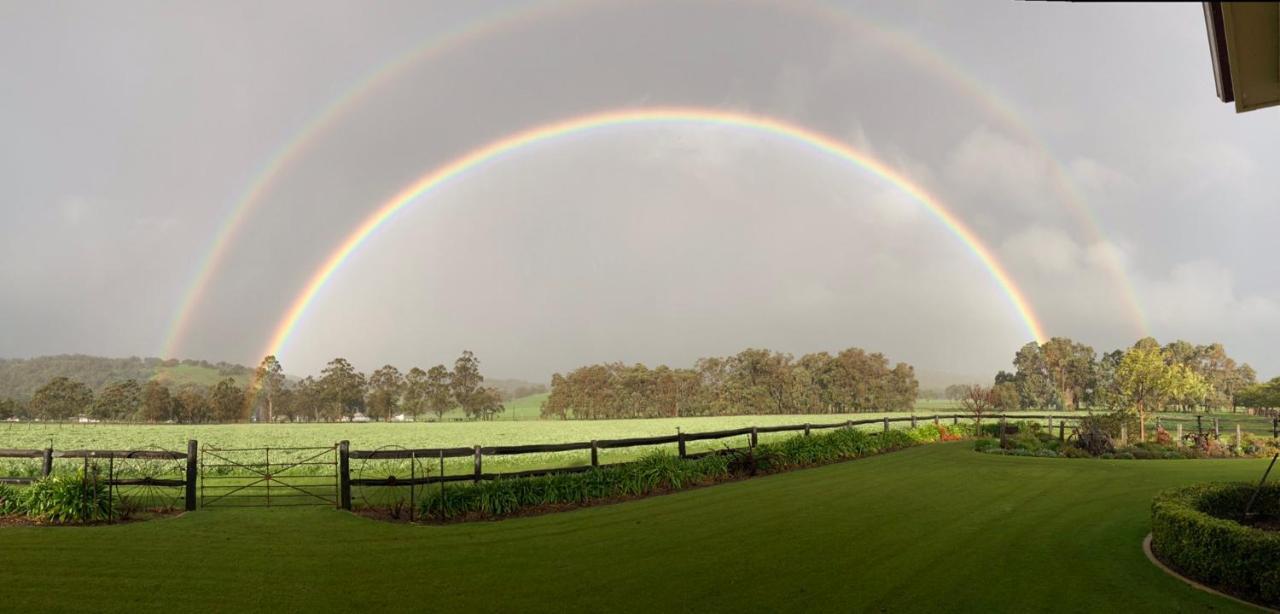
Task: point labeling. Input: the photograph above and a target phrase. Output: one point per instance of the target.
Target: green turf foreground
(935, 528)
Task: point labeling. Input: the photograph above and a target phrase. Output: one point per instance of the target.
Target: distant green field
(523, 408)
(524, 429)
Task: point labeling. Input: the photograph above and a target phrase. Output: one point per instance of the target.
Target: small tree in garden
(979, 401)
(1147, 382)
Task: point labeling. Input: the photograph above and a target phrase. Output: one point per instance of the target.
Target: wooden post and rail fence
(190, 478)
(681, 439)
(186, 480)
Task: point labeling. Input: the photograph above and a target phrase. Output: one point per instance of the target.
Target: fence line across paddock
(478, 453)
(185, 464)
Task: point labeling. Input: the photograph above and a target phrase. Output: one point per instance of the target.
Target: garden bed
(1031, 439)
(70, 499)
(1201, 532)
(652, 475)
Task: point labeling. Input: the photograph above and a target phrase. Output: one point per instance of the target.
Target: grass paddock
(932, 528)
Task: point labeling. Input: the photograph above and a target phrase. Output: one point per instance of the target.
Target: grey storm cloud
(132, 129)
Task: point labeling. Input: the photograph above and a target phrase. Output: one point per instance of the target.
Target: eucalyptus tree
(61, 398)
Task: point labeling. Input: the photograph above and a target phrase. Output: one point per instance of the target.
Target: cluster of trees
(754, 381)
(21, 377)
(340, 392)
(1265, 395)
(1064, 374)
(62, 398)
(1146, 377)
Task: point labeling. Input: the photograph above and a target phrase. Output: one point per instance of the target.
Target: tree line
(20, 377)
(341, 392)
(753, 381)
(1146, 377)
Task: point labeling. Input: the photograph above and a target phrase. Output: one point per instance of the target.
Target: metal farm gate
(268, 477)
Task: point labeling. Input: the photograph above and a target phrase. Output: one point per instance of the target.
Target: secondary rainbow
(902, 44)
(677, 115)
(316, 125)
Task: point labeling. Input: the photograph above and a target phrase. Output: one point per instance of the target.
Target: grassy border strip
(1151, 556)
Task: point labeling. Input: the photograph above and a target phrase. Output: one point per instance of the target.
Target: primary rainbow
(693, 115)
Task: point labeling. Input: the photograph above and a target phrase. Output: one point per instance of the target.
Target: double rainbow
(500, 22)
(642, 116)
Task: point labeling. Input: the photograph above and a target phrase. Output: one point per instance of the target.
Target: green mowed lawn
(927, 529)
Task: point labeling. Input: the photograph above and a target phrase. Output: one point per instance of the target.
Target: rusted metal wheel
(393, 493)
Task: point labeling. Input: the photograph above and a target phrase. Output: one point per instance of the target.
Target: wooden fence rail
(47, 455)
(680, 439)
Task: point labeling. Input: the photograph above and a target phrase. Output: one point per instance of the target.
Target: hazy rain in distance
(133, 131)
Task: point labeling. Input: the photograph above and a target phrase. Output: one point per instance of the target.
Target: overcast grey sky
(131, 129)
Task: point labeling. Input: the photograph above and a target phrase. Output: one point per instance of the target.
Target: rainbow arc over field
(645, 116)
(901, 44)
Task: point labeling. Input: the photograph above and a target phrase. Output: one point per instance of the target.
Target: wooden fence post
(755, 437)
(1179, 434)
(1050, 424)
(886, 424)
(47, 466)
(1124, 433)
(1216, 432)
(937, 421)
(1239, 439)
(848, 424)
(955, 419)
(680, 443)
(913, 421)
(344, 475)
(192, 450)
(595, 454)
(806, 429)
(1199, 425)
(1062, 431)
(478, 463)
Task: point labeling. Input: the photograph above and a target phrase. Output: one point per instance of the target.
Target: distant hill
(20, 377)
(515, 388)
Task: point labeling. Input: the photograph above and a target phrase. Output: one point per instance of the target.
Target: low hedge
(1196, 530)
(662, 472)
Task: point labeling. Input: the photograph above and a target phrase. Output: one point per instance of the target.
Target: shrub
(9, 501)
(1194, 530)
(1096, 434)
(986, 444)
(1138, 453)
(1073, 452)
(67, 498)
(1124, 456)
(925, 434)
